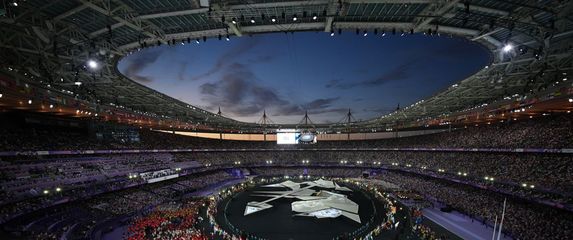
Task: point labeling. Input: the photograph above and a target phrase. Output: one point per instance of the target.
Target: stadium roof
(55, 39)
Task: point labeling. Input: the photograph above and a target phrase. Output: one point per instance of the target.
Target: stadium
(302, 119)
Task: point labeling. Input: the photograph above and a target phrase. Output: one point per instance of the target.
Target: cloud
(401, 72)
(208, 88)
(398, 73)
(317, 106)
(333, 83)
(224, 59)
(239, 93)
(329, 110)
(262, 59)
(139, 62)
(321, 103)
(181, 72)
(379, 110)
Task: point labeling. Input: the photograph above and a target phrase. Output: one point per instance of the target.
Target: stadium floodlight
(92, 64)
(508, 47)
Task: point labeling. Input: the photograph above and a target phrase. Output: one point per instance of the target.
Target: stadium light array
(92, 64)
(507, 47)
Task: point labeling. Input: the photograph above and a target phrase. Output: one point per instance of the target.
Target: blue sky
(288, 74)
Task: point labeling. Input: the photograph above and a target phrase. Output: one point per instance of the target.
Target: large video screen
(287, 136)
(294, 136)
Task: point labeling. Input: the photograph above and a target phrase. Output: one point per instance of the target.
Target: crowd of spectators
(542, 176)
(117, 201)
(523, 220)
(543, 171)
(32, 182)
(30, 177)
(177, 223)
(297, 172)
(551, 132)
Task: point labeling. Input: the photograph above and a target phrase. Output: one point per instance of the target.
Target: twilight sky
(287, 74)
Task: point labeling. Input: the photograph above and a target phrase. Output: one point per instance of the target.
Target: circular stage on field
(280, 222)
